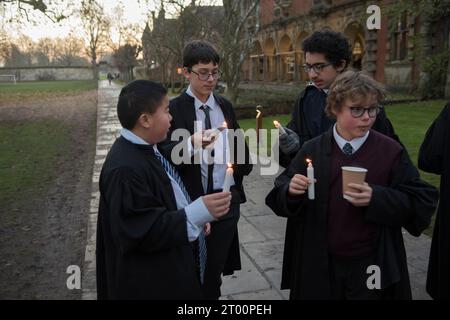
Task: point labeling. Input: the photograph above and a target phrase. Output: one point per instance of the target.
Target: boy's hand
(198, 140)
(218, 204)
(362, 198)
(298, 185)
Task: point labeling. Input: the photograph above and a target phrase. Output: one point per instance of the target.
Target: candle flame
(229, 165)
(224, 124)
(276, 123)
(308, 161)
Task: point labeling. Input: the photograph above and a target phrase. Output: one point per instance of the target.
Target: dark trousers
(349, 279)
(218, 244)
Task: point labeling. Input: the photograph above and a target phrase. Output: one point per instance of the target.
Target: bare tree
(69, 51)
(236, 39)
(164, 41)
(53, 10)
(96, 28)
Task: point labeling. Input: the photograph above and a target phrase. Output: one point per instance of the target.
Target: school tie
(202, 254)
(347, 149)
(209, 187)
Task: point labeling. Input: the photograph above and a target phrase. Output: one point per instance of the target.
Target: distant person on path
(110, 77)
(147, 223)
(333, 245)
(434, 157)
(327, 54)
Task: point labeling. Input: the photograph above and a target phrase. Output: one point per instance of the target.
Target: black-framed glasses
(317, 67)
(204, 75)
(358, 112)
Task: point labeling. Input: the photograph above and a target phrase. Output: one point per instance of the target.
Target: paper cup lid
(354, 169)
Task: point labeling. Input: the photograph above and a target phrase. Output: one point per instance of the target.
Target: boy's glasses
(358, 112)
(204, 75)
(318, 67)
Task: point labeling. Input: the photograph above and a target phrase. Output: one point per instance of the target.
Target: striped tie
(201, 238)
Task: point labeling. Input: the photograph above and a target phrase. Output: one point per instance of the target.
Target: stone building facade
(388, 53)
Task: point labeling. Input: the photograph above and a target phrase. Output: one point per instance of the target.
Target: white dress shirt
(355, 143)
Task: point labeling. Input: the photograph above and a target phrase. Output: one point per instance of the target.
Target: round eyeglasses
(318, 67)
(358, 112)
(204, 75)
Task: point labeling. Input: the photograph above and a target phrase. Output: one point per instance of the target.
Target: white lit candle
(229, 180)
(310, 174)
(218, 130)
(279, 126)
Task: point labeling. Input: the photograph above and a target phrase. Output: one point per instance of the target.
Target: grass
(40, 87)
(28, 152)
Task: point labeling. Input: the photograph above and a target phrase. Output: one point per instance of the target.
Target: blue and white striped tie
(201, 238)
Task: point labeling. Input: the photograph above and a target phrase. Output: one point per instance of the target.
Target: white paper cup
(352, 175)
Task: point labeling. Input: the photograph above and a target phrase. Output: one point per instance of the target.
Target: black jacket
(434, 157)
(408, 202)
(143, 250)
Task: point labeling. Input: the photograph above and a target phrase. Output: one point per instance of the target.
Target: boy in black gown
(147, 223)
(334, 245)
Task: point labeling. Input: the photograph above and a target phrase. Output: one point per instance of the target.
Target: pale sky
(132, 12)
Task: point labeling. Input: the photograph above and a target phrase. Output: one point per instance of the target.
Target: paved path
(261, 233)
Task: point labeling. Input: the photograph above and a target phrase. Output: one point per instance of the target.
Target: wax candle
(310, 174)
(279, 126)
(229, 180)
(218, 130)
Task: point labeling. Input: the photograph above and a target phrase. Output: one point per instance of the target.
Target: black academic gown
(309, 119)
(434, 157)
(143, 250)
(408, 202)
(182, 109)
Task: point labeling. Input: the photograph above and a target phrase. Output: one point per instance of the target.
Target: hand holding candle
(229, 180)
(279, 126)
(310, 175)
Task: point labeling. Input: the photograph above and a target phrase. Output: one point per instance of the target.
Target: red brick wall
(301, 7)
(266, 11)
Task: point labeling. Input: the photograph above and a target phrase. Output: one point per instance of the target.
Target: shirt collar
(130, 136)
(210, 102)
(355, 143)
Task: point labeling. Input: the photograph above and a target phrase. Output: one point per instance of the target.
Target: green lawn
(46, 86)
(28, 152)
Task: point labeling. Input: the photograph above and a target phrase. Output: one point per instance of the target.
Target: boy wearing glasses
(351, 249)
(327, 54)
(199, 103)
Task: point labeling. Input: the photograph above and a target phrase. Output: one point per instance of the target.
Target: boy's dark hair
(199, 51)
(137, 97)
(332, 44)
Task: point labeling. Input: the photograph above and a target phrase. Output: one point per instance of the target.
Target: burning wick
(279, 126)
(310, 174)
(229, 180)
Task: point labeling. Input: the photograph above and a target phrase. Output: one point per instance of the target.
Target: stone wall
(49, 73)
(398, 75)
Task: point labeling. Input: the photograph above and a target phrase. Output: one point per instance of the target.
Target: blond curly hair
(352, 85)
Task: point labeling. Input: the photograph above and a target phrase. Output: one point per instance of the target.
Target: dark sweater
(349, 234)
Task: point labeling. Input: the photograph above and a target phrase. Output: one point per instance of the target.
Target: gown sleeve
(431, 151)
(137, 219)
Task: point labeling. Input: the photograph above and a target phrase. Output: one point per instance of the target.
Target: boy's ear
(186, 73)
(342, 66)
(145, 121)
